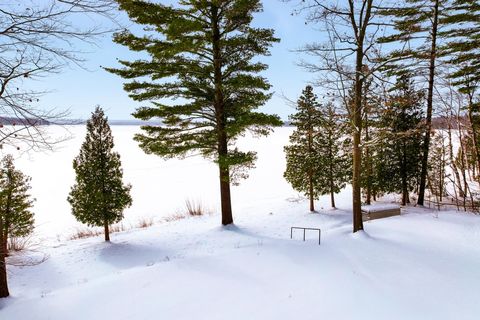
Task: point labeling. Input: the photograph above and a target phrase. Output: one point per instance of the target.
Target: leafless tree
(37, 38)
(350, 29)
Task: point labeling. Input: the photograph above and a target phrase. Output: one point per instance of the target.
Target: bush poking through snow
(145, 222)
(16, 244)
(194, 208)
(82, 233)
(174, 217)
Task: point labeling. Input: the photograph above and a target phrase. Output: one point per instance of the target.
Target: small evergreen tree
(302, 154)
(437, 174)
(318, 158)
(99, 196)
(334, 153)
(401, 138)
(16, 219)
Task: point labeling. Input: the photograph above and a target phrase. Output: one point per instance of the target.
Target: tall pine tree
(16, 218)
(99, 196)
(303, 156)
(319, 156)
(401, 138)
(335, 161)
(417, 24)
(463, 49)
(203, 54)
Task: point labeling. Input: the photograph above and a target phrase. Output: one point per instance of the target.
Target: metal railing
(304, 231)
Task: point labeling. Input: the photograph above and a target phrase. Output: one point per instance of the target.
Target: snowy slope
(414, 266)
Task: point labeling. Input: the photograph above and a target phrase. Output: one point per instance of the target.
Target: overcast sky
(80, 90)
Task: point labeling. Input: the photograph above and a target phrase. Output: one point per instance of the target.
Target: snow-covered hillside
(421, 265)
(414, 266)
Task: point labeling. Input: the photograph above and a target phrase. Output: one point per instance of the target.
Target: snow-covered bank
(159, 188)
(414, 266)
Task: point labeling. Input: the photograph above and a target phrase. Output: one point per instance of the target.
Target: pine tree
(303, 157)
(400, 132)
(203, 56)
(437, 174)
(16, 218)
(463, 50)
(99, 196)
(417, 24)
(334, 153)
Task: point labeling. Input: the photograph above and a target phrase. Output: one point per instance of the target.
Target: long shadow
(127, 255)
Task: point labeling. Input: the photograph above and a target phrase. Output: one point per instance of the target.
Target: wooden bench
(373, 212)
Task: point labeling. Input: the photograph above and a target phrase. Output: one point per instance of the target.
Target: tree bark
(368, 163)
(3, 266)
(330, 154)
(473, 128)
(428, 120)
(219, 105)
(403, 173)
(227, 217)
(457, 185)
(357, 150)
(107, 230)
(310, 191)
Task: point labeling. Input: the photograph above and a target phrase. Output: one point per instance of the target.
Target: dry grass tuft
(145, 222)
(194, 208)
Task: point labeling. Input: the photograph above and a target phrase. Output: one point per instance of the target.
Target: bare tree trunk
(368, 162)
(463, 168)
(428, 120)
(473, 129)
(457, 185)
(5, 245)
(227, 217)
(3, 265)
(403, 173)
(357, 151)
(310, 171)
(310, 191)
(332, 198)
(106, 230)
(332, 193)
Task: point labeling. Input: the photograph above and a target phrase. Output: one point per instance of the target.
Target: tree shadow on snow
(126, 255)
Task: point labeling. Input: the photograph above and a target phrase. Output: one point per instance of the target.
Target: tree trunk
(368, 164)
(330, 154)
(403, 173)
(5, 245)
(219, 105)
(457, 185)
(3, 265)
(310, 171)
(428, 120)
(332, 198)
(227, 217)
(310, 191)
(357, 151)
(106, 230)
(473, 128)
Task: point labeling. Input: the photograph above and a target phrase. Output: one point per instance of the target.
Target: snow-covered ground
(416, 266)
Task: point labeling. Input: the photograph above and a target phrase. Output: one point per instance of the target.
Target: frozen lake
(159, 187)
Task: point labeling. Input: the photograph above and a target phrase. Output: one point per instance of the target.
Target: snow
(421, 265)
(379, 207)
